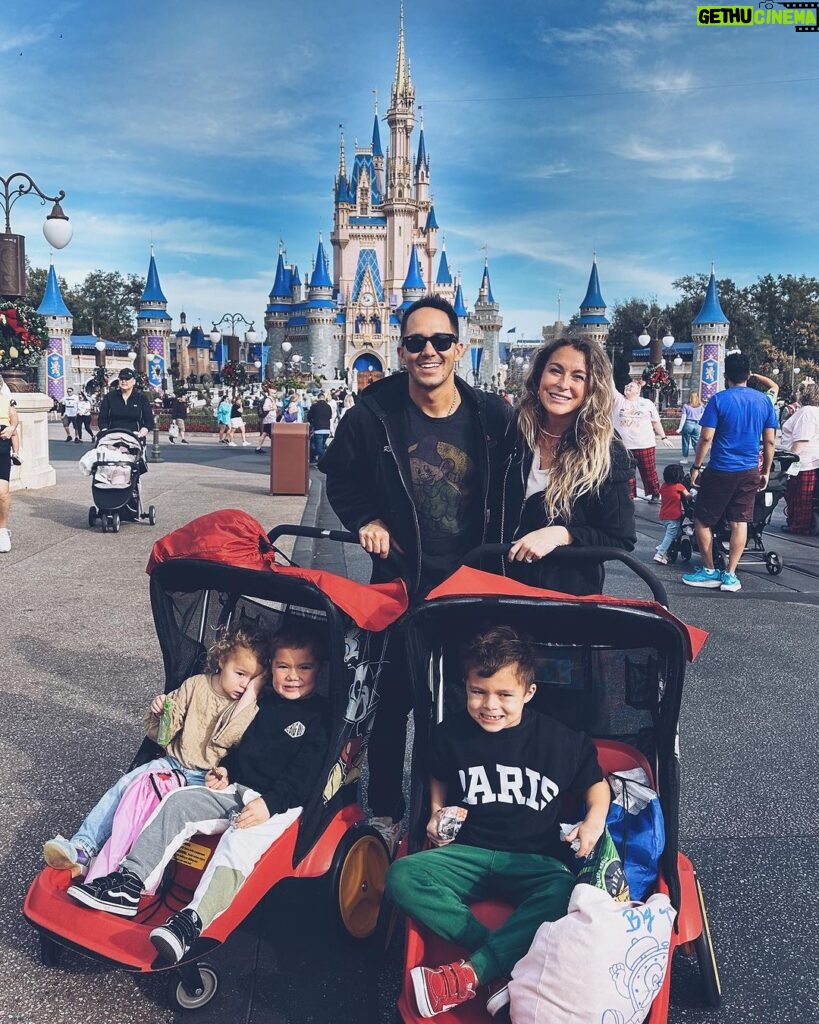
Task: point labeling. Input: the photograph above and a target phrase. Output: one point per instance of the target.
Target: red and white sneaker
(443, 988)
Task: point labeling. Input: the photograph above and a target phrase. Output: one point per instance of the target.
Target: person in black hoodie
(411, 468)
(567, 481)
(252, 798)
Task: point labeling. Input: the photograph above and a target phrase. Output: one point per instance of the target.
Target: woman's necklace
(547, 434)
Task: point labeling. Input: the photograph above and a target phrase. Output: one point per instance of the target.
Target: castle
(384, 247)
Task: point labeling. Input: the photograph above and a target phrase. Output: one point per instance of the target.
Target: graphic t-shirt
(510, 781)
(443, 456)
(633, 421)
(738, 416)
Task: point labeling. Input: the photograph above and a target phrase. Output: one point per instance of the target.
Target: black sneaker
(175, 938)
(117, 893)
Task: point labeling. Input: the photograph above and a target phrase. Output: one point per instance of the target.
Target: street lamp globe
(278, 366)
(644, 339)
(775, 371)
(797, 370)
(215, 336)
(286, 347)
(99, 345)
(297, 359)
(678, 360)
(258, 364)
(668, 340)
(251, 336)
(56, 229)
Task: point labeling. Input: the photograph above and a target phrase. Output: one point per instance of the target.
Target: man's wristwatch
(698, 469)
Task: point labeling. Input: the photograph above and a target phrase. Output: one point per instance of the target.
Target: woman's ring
(528, 558)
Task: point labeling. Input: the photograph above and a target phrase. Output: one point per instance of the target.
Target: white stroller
(115, 464)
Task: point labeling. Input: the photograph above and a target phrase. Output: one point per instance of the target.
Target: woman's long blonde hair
(694, 399)
(582, 460)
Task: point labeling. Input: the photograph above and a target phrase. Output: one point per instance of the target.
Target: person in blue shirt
(731, 427)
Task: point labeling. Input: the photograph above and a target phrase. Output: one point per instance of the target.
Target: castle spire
(53, 303)
(711, 310)
(402, 86)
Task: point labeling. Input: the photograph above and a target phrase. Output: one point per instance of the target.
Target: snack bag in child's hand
(450, 821)
(163, 736)
(604, 869)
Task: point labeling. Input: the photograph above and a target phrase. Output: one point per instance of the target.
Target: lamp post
(658, 343)
(291, 361)
(56, 229)
(232, 318)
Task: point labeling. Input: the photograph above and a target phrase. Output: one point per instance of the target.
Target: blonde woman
(568, 478)
(689, 428)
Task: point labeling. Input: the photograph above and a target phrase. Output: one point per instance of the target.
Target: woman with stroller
(124, 408)
(800, 435)
(568, 480)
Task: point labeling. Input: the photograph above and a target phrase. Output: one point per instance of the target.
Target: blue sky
(554, 129)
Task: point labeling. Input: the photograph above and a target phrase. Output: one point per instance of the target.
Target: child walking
(506, 765)
(251, 800)
(672, 493)
(208, 717)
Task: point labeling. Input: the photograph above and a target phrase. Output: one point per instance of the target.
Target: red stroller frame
(217, 570)
(611, 667)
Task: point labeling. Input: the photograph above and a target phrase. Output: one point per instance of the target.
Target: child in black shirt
(506, 765)
(252, 798)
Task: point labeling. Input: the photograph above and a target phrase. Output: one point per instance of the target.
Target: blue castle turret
(60, 325)
(593, 323)
(709, 332)
(413, 287)
(154, 329)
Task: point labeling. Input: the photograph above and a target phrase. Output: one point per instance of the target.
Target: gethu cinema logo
(803, 16)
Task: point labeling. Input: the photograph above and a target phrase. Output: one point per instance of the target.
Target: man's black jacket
(368, 471)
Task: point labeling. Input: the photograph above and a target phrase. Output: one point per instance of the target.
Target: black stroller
(118, 463)
(765, 504)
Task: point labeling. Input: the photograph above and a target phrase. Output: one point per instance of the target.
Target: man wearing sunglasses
(410, 472)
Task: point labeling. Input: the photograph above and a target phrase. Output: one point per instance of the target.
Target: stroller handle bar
(572, 554)
(288, 530)
(399, 562)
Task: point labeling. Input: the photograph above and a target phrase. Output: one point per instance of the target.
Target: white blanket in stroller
(112, 461)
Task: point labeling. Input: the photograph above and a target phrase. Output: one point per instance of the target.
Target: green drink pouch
(163, 736)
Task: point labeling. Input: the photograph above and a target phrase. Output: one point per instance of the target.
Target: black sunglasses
(416, 343)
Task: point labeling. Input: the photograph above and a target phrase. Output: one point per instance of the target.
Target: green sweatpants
(436, 887)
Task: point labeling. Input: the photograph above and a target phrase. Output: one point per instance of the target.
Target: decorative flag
(512, 330)
(477, 355)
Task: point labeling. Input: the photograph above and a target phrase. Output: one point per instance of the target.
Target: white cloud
(704, 162)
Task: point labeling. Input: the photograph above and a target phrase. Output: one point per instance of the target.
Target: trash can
(289, 458)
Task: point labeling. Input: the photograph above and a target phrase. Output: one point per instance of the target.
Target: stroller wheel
(686, 549)
(773, 563)
(182, 999)
(671, 554)
(706, 958)
(357, 881)
(115, 522)
(104, 522)
(92, 516)
(152, 515)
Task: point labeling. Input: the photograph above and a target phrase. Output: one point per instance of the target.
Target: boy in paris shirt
(505, 764)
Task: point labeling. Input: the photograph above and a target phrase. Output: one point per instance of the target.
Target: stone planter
(36, 472)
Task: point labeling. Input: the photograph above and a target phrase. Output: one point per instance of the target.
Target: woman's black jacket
(602, 519)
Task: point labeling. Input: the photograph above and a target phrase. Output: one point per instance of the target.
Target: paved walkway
(81, 662)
